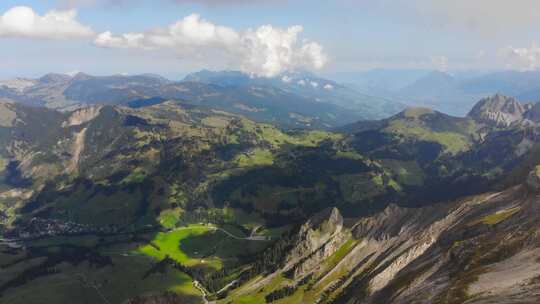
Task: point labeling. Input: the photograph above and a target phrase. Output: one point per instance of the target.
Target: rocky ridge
(479, 249)
(498, 110)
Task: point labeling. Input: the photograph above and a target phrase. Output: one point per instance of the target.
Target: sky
(265, 37)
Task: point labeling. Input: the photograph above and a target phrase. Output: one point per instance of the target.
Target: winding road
(258, 238)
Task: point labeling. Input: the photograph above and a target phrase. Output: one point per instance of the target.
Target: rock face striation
(481, 249)
(533, 181)
(317, 239)
(498, 110)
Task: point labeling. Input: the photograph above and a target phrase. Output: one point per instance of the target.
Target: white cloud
(328, 87)
(23, 22)
(265, 51)
(129, 40)
(314, 84)
(521, 58)
(440, 63)
(301, 82)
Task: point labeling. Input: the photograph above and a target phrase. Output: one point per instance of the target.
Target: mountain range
(143, 190)
(450, 92)
(292, 100)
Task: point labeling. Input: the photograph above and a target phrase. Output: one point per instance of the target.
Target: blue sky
(336, 36)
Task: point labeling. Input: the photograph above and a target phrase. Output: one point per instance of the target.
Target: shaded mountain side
(474, 250)
(213, 159)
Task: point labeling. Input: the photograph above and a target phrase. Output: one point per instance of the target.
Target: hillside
(175, 202)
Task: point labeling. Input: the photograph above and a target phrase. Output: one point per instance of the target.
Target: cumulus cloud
(521, 58)
(265, 51)
(23, 22)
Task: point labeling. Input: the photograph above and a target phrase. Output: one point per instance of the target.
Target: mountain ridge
(294, 100)
(382, 213)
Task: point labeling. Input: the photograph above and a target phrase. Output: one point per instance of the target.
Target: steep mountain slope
(476, 250)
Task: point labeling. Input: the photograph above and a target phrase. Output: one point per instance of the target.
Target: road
(257, 238)
(198, 285)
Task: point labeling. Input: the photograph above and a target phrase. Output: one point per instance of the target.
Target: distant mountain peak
(54, 78)
(416, 112)
(498, 110)
(81, 76)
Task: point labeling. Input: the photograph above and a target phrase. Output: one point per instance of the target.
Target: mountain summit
(498, 110)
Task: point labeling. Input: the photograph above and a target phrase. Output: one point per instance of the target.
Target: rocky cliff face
(481, 249)
(81, 116)
(533, 181)
(498, 110)
(318, 238)
(477, 250)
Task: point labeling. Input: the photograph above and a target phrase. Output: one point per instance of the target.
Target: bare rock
(318, 238)
(533, 181)
(498, 110)
(81, 116)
